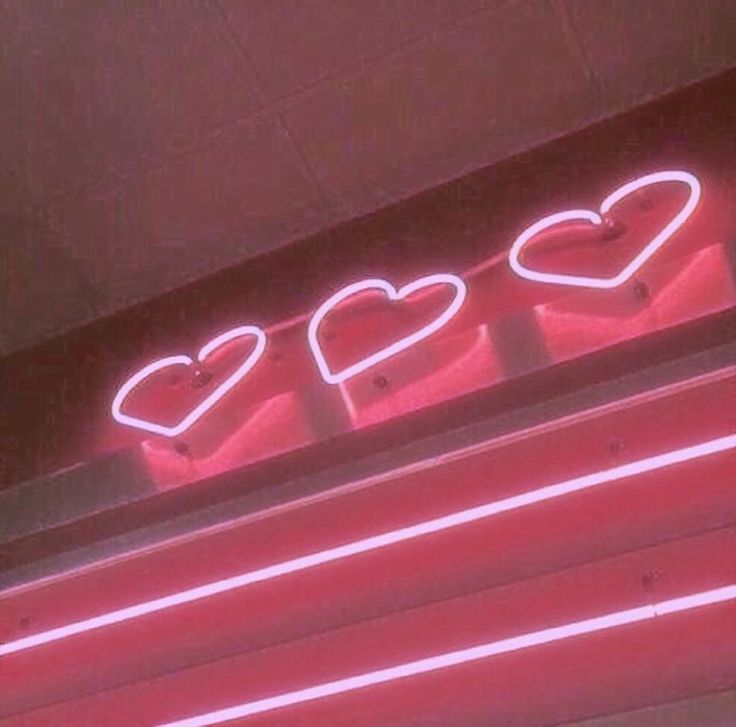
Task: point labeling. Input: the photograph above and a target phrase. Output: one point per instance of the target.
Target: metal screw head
(181, 448)
(641, 291)
(380, 382)
(649, 578)
(201, 378)
(612, 229)
(615, 447)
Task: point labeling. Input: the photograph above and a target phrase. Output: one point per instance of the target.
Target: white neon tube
(347, 550)
(596, 219)
(462, 656)
(393, 294)
(182, 360)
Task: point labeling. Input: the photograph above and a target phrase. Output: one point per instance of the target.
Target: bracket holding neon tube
(596, 218)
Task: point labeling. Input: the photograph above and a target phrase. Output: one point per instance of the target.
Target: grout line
(295, 148)
(574, 38)
(118, 177)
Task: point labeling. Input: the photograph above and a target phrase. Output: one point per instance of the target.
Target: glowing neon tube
(595, 218)
(393, 294)
(182, 360)
(375, 542)
(462, 656)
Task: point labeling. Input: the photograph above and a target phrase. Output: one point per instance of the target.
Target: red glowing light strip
(462, 656)
(330, 555)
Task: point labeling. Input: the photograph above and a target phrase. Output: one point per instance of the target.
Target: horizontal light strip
(463, 656)
(446, 522)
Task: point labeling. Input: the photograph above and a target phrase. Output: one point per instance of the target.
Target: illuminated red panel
(443, 369)
(633, 512)
(674, 653)
(241, 433)
(697, 284)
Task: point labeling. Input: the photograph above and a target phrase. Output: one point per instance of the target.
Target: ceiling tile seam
(284, 101)
(246, 69)
(480, 162)
(571, 31)
(117, 179)
(570, 23)
(114, 177)
(296, 150)
(355, 69)
(305, 164)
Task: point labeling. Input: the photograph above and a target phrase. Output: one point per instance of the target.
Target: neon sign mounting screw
(182, 448)
(615, 447)
(612, 229)
(641, 291)
(380, 382)
(201, 378)
(649, 578)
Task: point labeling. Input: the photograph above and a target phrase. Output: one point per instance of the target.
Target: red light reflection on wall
(668, 294)
(249, 434)
(440, 370)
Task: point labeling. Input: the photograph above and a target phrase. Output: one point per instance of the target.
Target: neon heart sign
(597, 219)
(393, 294)
(182, 360)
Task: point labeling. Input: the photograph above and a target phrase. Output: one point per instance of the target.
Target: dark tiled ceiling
(146, 144)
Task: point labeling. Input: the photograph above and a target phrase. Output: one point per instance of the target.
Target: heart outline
(393, 294)
(182, 360)
(581, 214)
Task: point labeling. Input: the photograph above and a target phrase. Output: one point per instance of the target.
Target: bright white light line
(375, 542)
(594, 218)
(181, 360)
(393, 294)
(462, 656)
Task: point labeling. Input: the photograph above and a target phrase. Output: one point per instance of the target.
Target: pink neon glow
(182, 360)
(462, 656)
(382, 540)
(393, 294)
(594, 218)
